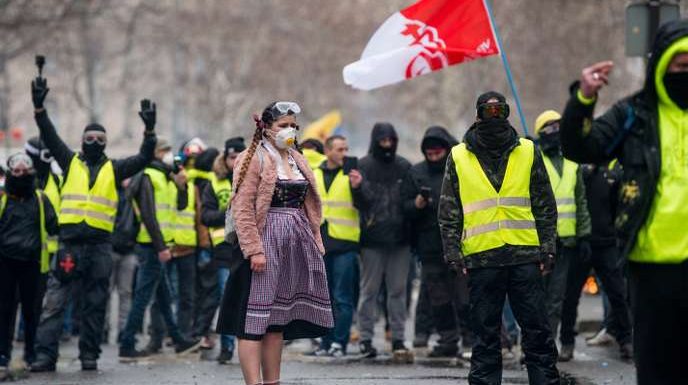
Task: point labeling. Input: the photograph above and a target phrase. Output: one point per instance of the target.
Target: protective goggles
(493, 111)
(550, 128)
(91, 137)
(20, 164)
(285, 108)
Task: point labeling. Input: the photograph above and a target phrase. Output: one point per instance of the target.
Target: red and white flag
(425, 37)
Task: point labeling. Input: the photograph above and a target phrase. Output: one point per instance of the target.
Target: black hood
(437, 136)
(380, 131)
(205, 160)
(666, 35)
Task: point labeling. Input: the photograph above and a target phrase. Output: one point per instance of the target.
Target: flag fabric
(324, 127)
(425, 37)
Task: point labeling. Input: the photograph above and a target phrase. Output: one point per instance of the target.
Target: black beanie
(235, 144)
(94, 127)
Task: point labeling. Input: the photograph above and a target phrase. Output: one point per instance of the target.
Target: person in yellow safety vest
(26, 219)
(155, 194)
(497, 217)
(87, 214)
(313, 151)
(647, 132)
(573, 218)
(341, 232)
(214, 204)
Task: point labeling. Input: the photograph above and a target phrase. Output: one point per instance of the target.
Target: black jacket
(629, 132)
(425, 231)
(601, 187)
(123, 169)
(212, 216)
(382, 218)
(126, 225)
(20, 232)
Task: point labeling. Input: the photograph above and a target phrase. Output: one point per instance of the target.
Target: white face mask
(285, 138)
(168, 158)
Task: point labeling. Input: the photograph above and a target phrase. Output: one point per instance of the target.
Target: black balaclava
(437, 137)
(550, 143)
(22, 186)
(676, 84)
(94, 151)
(383, 130)
(493, 135)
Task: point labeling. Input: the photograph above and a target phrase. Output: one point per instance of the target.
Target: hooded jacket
(382, 218)
(425, 231)
(212, 216)
(543, 206)
(630, 131)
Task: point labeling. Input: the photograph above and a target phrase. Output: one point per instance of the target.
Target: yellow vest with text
(52, 191)
(223, 194)
(45, 254)
(492, 219)
(185, 220)
(338, 207)
(164, 194)
(96, 206)
(564, 187)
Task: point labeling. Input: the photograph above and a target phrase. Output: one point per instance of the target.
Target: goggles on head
(284, 108)
(91, 137)
(497, 110)
(20, 164)
(550, 128)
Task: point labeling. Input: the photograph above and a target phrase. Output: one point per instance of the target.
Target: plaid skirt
(290, 296)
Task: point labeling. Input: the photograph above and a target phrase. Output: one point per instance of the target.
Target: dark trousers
(22, 278)
(207, 294)
(659, 294)
(340, 280)
(184, 268)
(488, 289)
(609, 269)
(555, 286)
(92, 289)
(151, 280)
(423, 326)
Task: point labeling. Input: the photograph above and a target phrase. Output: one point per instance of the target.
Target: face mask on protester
(285, 138)
(168, 158)
(550, 143)
(22, 186)
(676, 84)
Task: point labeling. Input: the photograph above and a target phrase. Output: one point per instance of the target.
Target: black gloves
(584, 248)
(147, 114)
(39, 90)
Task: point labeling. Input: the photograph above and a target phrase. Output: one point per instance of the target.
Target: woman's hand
(258, 263)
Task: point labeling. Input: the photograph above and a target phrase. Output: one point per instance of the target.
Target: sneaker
(626, 351)
(336, 350)
(602, 338)
(367, 349)
(225, 357)
(421, 341)
(89, 365)
(131, 355)
(207, 344)
(319, 352)
(42, 365)
(565, 353)
(187, 346)
(153, 347)
(444, 351)
(400, 352)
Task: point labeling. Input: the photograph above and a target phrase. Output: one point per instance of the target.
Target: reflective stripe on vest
(223, 192)
(564, 187)
(52, 191)
(45, 254)
(96, 206)
(338, 208)
(185, 220)
(494, 219)
(164, 195)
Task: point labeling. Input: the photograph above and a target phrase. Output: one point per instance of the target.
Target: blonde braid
(257, 135)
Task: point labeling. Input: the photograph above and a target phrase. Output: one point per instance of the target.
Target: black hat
(235, 144)
(94, 127)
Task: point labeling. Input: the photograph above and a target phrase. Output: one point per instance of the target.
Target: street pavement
(592, 365)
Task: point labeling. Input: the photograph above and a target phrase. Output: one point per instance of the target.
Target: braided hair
(266, 119)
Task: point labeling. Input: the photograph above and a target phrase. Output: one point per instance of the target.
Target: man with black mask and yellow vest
(498, 219)
(573, 218)
(156, 198)
(647, 133)
(86, 219)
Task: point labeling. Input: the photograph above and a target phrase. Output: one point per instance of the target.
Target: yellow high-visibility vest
(338, 207)
(164, 194)
(52, 191)
(194, 173)
(492, 219)
(564, 187)
(223, 192)
(45, 255)
(185, 220)
(313, 158)
(96, 206)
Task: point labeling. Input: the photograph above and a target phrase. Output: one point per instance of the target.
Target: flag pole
(507, 68)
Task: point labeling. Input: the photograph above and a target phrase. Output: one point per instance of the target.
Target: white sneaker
(602, 338)
(336, 350)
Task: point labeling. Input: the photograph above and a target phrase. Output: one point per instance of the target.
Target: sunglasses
(95, 138)
(493, 111)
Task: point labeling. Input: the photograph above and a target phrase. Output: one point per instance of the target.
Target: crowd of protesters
(306, 241)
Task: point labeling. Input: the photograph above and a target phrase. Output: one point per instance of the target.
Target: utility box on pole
(643, 18)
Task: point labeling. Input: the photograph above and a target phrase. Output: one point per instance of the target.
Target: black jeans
(207, 295)
(608, 267)
(24, 278)
(659, 294)
(488, 289)
(555, 285)
(184, 270)
(92, 288)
